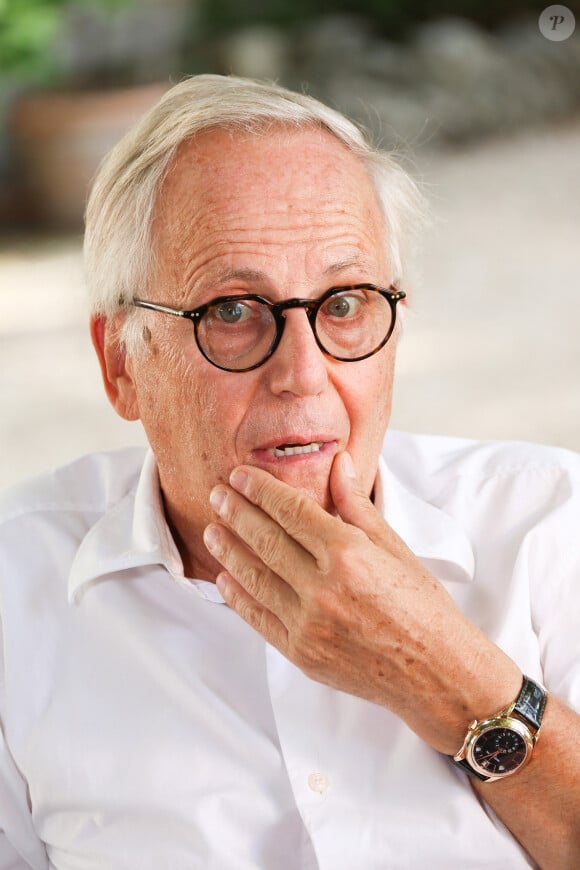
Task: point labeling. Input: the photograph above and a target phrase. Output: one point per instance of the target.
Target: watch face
(499, 751)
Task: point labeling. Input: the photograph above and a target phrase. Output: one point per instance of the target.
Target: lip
(299, 439)
(265, 455)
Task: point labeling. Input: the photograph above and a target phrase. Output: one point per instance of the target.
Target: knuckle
(251, 577)
(347, 556)
(248, 612)
(340, 550)
(342, 559)
(267, 544)
(321, 630)
(288, 508)
(292, 512)
(328, 608)
(315, 652)
(254, 615)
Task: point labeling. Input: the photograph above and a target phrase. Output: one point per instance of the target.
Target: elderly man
(278, 640)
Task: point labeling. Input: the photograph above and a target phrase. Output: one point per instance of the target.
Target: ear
(115, 367)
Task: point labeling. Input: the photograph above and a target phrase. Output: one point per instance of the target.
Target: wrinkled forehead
(269, 185)
(284, 165)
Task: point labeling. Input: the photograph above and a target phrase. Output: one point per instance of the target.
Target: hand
(345, 600)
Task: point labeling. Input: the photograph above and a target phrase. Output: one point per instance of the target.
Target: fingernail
(348, 466)
(211, 537)
(217, 498)
(239, 479)
(222, 582)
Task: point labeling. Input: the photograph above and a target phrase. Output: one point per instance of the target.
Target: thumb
(352, 503)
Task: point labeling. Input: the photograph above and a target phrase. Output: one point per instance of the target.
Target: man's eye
(232, 312)
(342, 306)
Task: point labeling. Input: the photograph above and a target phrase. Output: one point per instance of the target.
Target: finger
(354, 505)
(259, 582)
(262, 534)
(251, 611)
(303, 520)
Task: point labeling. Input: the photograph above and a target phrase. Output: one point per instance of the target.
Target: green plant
(28, 33)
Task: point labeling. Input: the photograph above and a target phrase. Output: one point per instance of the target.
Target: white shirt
(146, 726)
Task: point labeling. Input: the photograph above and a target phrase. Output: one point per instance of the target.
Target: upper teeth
(296, 449)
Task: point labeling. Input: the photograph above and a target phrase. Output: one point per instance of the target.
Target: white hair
(118, 248)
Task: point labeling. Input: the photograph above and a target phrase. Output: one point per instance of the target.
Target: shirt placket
(306, 715)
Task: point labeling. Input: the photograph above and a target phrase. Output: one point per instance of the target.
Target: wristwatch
(501, 745)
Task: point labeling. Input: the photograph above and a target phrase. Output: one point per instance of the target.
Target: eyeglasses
(239, 333)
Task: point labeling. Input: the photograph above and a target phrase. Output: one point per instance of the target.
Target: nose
(298, 366)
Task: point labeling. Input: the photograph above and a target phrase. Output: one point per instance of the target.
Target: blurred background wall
(482, 100)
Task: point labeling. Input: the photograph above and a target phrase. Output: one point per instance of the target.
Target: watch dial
(499, 750)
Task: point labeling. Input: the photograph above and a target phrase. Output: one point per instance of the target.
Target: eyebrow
(239, 275)
(246, 274)
(357, 262)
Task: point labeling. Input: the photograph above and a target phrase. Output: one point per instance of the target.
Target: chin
(317, 486)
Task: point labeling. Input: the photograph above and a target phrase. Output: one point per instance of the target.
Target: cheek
(369, 397)
(216, 420)
(369, 408)
(194, 412)
(176, 403)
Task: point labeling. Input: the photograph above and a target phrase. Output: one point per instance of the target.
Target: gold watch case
(497, 747)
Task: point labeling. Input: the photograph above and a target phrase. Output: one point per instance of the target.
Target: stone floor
(491, 346)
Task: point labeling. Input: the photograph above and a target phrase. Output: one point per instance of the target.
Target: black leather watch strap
(470, 770)
(531, 703)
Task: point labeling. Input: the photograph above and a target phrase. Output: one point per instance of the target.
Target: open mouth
(295, 449)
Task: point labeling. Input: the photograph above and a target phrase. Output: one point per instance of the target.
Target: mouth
(296, 449)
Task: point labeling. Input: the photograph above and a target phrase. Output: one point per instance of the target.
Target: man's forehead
(233, 200)
(220, 150)
(279, 171)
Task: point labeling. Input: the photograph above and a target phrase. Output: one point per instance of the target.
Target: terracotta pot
(59, 139)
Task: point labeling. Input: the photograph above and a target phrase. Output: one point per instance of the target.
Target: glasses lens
(353, 323)
(237, 334)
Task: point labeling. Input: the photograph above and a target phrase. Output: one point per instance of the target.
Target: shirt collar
(436, 537)
(134, 533)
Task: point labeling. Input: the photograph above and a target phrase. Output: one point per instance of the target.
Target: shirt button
(318, 782)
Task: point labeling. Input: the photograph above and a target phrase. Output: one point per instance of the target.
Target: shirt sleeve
(9, 859)
(20, 847)
(554, 564)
